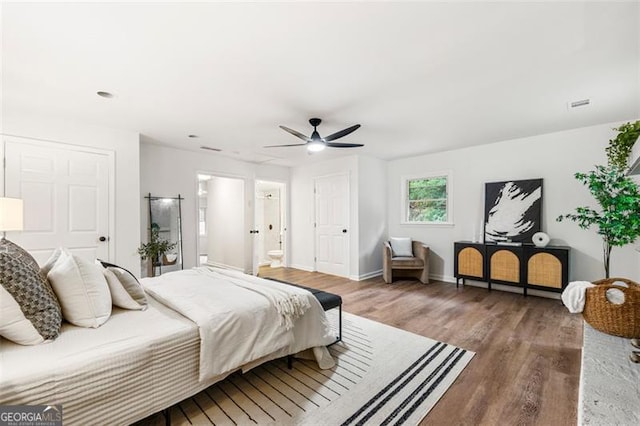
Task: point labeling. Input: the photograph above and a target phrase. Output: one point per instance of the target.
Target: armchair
(416, 266)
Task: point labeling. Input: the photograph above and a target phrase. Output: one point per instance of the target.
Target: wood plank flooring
(527, 365)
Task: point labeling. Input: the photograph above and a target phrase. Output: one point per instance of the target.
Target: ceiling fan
(315, 143)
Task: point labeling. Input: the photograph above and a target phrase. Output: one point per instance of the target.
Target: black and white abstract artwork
(512, 210)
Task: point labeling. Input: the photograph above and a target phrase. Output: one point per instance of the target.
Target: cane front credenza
(526, 266)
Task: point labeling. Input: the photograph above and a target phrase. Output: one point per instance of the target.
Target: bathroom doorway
(270, 222)
(223, 220)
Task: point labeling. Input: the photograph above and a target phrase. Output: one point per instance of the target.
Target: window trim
(404, 197)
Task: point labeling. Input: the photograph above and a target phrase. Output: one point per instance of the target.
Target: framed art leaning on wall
(512, 210)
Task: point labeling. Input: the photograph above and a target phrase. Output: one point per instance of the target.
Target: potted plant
(618, 220)
(155, 248)
(619, 148)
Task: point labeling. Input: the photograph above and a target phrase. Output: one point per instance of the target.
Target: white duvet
(242, 318)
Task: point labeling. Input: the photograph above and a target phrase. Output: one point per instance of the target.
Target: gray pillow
(18, 252)
(401, 247)
(30, 311)
(126, 290)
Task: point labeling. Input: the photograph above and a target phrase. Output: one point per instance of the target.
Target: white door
(66, 197)
(332, 225)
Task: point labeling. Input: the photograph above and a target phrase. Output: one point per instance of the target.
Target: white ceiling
(419, 77)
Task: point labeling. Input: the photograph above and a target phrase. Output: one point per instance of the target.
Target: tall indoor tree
(618, 219)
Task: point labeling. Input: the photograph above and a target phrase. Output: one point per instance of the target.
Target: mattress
(136, 364)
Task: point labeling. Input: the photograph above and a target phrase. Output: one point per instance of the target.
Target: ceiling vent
(583, 103)
(211, 149)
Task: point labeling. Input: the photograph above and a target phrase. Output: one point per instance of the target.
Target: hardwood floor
(527, 365)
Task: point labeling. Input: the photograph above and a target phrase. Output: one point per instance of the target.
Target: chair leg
(339, 337)
(340, 323)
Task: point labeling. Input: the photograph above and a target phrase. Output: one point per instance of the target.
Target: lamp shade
(10, 214)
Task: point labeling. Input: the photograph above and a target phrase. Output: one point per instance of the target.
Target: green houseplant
(620, 147)
(155, 248)
(618, 220)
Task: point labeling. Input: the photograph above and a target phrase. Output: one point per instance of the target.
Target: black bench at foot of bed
(326, 299)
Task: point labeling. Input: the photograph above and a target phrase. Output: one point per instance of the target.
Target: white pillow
(46, 268)
(82, 291)
(401, 247)
(126, 291)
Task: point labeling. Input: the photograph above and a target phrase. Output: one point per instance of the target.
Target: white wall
(553, 157)
(125, 145)
(225, 220)
(372, 214)
(168, 172)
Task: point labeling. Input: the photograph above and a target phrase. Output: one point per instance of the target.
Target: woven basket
(618, 319)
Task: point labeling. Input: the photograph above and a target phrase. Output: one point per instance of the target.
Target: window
(426, 199)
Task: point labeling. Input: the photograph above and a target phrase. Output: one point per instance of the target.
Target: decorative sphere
(540, 239)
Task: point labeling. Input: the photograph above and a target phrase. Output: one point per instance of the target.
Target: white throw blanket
(241, 318)
(574, 295)
(290, 302)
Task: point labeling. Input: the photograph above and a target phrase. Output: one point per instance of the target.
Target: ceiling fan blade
(341, 133)
(278, 146)
(295, 133)
(343, 145)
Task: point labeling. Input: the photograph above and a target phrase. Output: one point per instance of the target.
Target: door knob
(344, 231)
(102, 239)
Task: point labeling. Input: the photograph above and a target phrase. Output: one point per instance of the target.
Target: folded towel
(574, 295)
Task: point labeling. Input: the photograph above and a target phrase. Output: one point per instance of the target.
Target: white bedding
(134, 365)
(240, 317)
(140, 362)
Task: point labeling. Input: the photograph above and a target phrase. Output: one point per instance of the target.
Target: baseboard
(444, 278)
(366, 276)
(302, 268)
(223, 266)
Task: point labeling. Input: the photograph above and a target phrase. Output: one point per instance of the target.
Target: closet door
(66, 197)
(332, 224)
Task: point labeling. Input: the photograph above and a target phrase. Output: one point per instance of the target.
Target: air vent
(583, 103)
(211, 149)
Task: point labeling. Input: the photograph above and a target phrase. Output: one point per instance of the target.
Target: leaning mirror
(163, 250)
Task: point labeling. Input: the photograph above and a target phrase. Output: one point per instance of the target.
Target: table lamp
(10, 215)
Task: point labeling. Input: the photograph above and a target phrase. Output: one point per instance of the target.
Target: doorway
(269, 228)
(222, 222)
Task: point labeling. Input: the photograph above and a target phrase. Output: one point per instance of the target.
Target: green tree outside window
(427, 199)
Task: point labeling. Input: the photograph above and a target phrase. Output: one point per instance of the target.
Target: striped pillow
(126, 291)
(29, 310)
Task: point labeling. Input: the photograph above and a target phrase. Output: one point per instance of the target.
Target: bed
(141, 362)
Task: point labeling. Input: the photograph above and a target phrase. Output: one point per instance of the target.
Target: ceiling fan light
(315, 146)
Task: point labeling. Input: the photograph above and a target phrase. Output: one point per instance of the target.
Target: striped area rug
(383, 375)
